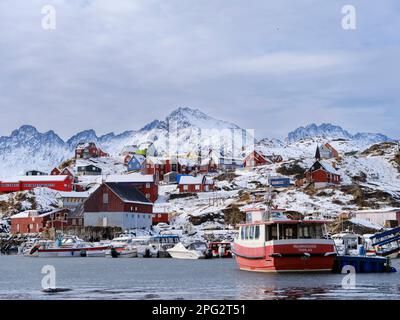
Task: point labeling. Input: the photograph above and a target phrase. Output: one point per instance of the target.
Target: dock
(363, 264)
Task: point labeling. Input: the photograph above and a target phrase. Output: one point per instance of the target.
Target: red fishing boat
(271, 241)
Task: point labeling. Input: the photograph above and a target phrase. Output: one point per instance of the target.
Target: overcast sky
(267, 65)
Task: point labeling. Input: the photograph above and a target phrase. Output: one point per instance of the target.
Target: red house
(55, 172)
(160, 214)
(255, 159)
(33, 221)
(86, 150)
(116, 204)
(208, 164)
(145, 183)
(322, 174)
(199, 183)
(60, 183)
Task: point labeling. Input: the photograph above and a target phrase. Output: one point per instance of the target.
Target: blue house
(279, 182)
(136, 163)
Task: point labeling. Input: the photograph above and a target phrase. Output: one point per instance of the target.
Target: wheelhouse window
(271, 232)
(257, 232)
(289, 232)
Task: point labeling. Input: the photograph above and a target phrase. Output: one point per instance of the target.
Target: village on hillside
(96, 196)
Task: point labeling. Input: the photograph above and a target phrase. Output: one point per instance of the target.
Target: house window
(74, 222)
(147, 185)
(197, 187)
(185, 187)
(147, 195)
(105, 198)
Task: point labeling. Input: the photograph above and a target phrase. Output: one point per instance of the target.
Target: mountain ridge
(27, 148)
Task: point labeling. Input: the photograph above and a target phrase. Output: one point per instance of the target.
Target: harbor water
(107, 278)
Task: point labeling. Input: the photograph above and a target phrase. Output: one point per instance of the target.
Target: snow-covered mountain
(333, 132)
(26, 148)
(181, 131)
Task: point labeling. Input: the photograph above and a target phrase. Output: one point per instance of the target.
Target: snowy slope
(26, 148)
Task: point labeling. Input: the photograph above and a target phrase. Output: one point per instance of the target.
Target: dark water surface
(107, 278)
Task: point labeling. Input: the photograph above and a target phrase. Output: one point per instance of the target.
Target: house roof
(327, 166)
(131, 177)
(127, 193)
(138, 157)
(34, 213)
(74, 194)
(195, 180)
(34, 179)
(187, 162)
(69, 170)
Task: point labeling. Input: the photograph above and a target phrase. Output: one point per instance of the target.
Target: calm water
(107, 278)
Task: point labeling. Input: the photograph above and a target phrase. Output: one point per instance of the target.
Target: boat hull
(287, 256)
(188, 255)
(72, 252)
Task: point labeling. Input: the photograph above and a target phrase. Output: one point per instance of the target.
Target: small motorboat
(122, 247)
(195, 250)
(158, 245)
(69, 246)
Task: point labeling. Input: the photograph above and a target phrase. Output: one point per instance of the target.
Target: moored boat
(69, 247)
(195, 250)
(271, 241)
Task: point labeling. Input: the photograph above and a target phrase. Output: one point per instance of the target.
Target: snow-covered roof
(187, 162)
(33, 213)
(74, 194)
(195, 180)
(34, 179)
(328, 167)
(191, 180)
(131, 177)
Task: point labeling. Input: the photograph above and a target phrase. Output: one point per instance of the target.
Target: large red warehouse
(22, 183)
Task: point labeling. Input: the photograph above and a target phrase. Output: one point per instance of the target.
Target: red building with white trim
(60, 183)
(32, 221)
(255, 159)
(199, 183)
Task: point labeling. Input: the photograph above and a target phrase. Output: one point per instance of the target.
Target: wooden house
(86, 150)
(60, 183)
(89, 170)
(322, 174)
(33, 221)
(256, 158)
(136, 163)
(326, 151)
(118, 205)
(199, 183)
(55, 171)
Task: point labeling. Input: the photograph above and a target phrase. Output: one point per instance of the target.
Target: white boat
(69, 246)
(348, 243)
(195, 250)
(123, 247)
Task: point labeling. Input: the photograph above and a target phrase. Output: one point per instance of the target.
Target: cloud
(271, 66)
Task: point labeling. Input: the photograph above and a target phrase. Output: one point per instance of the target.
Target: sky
(266, 65)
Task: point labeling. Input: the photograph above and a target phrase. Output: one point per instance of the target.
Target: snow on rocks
(36, 199)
